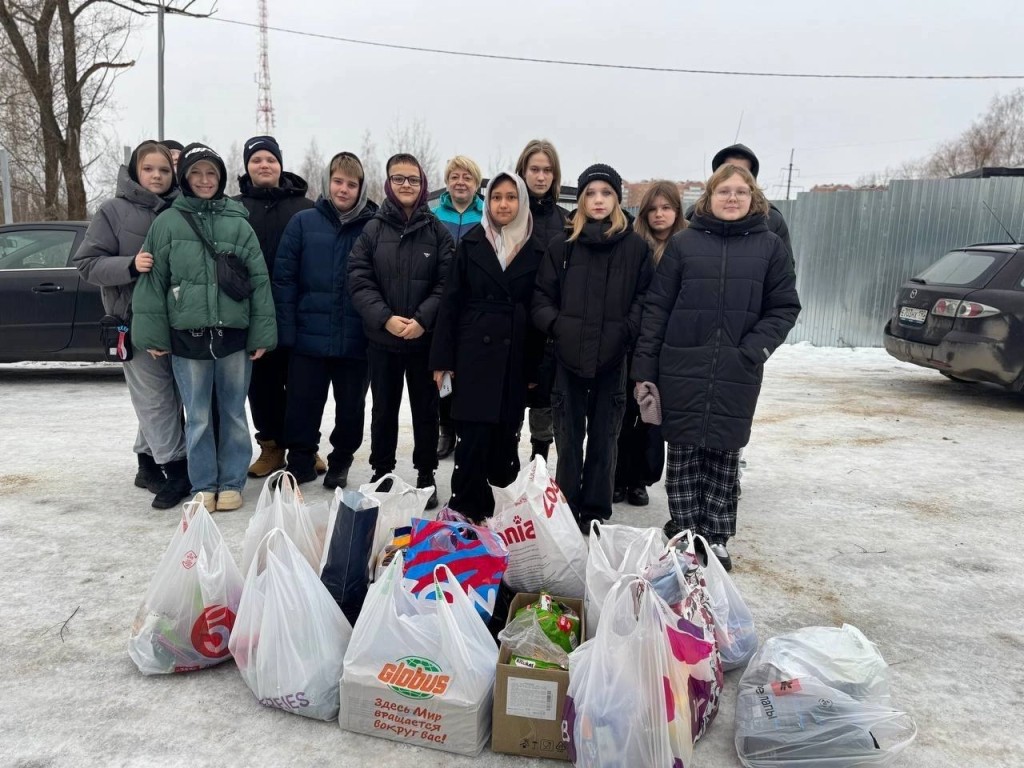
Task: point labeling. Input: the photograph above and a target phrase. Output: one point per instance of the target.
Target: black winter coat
(776, 224)
(590, 296)
(722, 300)
(484, 333)
(548, 219)
(271, 208)
(398, 267)
(315, 313)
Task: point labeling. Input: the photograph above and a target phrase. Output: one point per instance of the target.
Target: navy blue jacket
(315, 313)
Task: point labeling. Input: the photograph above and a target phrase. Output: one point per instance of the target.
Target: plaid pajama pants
(701, 488)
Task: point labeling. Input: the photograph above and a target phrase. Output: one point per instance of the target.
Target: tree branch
(103, 65)
(149, 8)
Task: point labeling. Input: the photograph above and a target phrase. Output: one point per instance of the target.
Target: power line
(596, 65)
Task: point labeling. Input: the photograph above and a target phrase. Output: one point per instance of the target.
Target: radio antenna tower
(264, 104)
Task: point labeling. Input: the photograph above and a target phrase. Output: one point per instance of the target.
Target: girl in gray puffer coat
(110, 257)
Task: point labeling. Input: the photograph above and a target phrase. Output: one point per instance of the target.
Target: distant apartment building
(633, 192)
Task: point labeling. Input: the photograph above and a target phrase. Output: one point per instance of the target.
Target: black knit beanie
(600, 172)
(261, 143)
(172, 144)
(193, 154)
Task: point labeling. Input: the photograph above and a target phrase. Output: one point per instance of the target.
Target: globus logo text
(414, 677)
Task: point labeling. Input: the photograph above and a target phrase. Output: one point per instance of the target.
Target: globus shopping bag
(345, 565)
(397, 507)
(690, 627)
(626, 706)
(419, 672)
(616, 550)
(547, 552)
(819, 697)
(474, 554)
(734, 623)
(281, 506)
(290, 636)
(188, 611)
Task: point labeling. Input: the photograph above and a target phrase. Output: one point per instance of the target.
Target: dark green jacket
(181, 290)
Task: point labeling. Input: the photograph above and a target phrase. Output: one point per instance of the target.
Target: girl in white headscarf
(486, 345)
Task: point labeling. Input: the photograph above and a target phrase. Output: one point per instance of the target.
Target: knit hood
(325, 190)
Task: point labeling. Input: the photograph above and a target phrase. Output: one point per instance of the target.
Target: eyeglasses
(725, 194)
(412, 181)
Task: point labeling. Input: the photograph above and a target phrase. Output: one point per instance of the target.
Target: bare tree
(373, 171)
(996, 138)
(414, 138)
(68, 53)
(312, 168)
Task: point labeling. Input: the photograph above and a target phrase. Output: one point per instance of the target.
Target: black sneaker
(719, 551)
(638, 497)
(336, 477)
(426, 480)
(618, 495)
(386, 485)
(672, 528)
(445, 444)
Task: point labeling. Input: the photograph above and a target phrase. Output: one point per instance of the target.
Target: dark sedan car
(47, 311)
(964, 316)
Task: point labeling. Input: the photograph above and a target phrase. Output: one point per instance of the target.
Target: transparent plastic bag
(290, 636)
(397, 507)
(616, 550)
(281, 506)
(189, 609)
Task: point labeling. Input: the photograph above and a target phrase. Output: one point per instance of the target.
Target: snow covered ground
(877, 493)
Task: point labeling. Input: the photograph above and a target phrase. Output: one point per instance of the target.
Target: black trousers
(387, 371)
(485, 455)
(641, 453)
(308, 382)
(590, 409)
(267, 399)
(445, 414)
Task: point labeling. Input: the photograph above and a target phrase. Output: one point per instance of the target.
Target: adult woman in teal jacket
(181, 309)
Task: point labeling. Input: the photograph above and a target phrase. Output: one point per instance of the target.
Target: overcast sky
(645, 124)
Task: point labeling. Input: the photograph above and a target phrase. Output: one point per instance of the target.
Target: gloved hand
(649, 400)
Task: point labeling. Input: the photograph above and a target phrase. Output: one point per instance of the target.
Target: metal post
(127, 154)
(5, 186)
(789, 176)
(160, 72)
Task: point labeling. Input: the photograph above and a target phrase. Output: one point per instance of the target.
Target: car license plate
(913, 316)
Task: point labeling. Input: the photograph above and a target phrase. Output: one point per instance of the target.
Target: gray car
(964, 316)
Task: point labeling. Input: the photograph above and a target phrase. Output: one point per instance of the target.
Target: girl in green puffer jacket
(179, 309)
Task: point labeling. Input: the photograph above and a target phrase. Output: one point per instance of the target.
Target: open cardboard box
(527, 714)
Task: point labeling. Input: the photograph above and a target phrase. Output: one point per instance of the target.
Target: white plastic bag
(819, 697)
(547, 552)
(398, 506)
(281, 506)
(734, 623)
(625, 706)
(186, 616)
(616, 550)
(419, 672)
(290, 636)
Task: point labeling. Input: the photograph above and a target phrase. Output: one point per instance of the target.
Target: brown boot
(271, 459)
(319, 465)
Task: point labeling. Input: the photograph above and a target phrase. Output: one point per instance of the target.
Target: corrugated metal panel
(854, 249)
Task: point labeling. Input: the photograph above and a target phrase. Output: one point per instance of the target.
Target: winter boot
(319, 464)
(540, 449)
(228, 500)
(426, 480)
(336, 477)
(302, 465)
(384, 487)
(637, 496)
(271, 459)
(177, 488)
(445, 443)
(149, 475)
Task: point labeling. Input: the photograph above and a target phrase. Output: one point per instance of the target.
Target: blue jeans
(220, 465)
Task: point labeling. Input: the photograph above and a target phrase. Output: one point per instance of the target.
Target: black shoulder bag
(232, 274)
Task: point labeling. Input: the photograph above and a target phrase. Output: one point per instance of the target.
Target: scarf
(507, 240)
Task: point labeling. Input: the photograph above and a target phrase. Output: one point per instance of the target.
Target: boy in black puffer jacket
(396, 277)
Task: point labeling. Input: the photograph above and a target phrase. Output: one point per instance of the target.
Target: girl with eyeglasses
(723, 299)
(396, 275)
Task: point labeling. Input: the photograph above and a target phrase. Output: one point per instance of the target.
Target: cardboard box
(527, 716)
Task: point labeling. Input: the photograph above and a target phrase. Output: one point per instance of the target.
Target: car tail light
(962, 309)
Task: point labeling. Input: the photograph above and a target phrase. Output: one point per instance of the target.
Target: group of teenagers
(616, 334)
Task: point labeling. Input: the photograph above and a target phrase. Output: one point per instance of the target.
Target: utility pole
(789, 176)
(160, 71)
(5, 186)
(264, 105)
